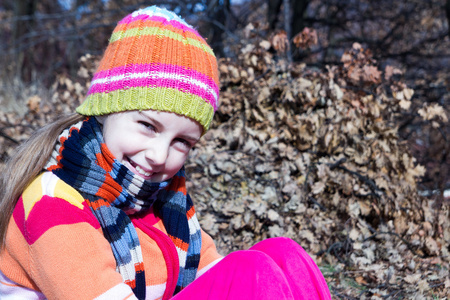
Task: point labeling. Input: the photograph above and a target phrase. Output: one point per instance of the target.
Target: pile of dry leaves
(314, 155)
(309, 154)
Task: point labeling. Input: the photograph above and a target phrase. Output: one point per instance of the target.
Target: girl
(94, 206)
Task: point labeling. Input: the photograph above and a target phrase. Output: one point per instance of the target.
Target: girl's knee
(249, 259)
(280, 244)
(245, 274)
(283, 242)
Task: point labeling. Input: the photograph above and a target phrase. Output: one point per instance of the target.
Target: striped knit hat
(155, 60)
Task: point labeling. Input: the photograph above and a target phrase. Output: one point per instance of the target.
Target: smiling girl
(151, 144)
(94, 205)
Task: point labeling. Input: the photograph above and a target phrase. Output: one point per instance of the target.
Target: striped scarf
(82, 160)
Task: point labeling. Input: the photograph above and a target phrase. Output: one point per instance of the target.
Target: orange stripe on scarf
(179, 243)
(108, 188)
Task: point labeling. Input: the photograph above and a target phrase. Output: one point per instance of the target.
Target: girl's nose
(157, 154)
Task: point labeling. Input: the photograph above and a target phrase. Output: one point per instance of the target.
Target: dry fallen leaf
(280, 42)
(306, 38)
(33, 103)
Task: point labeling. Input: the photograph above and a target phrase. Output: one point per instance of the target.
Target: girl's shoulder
(47, 203)
(48, 184)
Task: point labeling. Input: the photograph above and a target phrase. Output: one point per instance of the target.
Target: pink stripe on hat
(163, 82)
(142, 68)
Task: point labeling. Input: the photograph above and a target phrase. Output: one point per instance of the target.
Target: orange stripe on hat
(169, 52)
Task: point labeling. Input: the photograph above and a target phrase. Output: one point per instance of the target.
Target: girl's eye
(147, 125)
(185, 145)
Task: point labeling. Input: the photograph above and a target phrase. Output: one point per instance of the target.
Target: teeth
(142, 172)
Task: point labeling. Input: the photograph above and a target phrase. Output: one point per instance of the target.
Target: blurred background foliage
(42, 39)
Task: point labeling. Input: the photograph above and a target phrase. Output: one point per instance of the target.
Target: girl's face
(152, 144)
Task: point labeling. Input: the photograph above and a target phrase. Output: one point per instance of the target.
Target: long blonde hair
(28, 161)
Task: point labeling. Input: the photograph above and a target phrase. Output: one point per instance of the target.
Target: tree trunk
(220, 13)
(298, 8)
(447, 9)
(24, 13)
(295, 14)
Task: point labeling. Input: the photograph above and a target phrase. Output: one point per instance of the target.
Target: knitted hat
(155, 60)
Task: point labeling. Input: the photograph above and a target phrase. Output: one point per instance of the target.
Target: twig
(263, 74)
(436, 285)
(256, 156)
(322, 208)
(336, 293)
(8, 137)
(392, 294)
(410, 247)
(337, 164)
(372, 185)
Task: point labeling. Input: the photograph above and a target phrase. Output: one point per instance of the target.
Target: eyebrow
(160, 125)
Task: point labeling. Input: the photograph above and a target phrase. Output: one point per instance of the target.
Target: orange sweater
(55, 249)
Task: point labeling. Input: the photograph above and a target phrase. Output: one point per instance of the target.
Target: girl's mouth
(139, 169)
(142, 172)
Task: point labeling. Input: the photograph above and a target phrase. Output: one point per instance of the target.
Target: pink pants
(276, 268)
